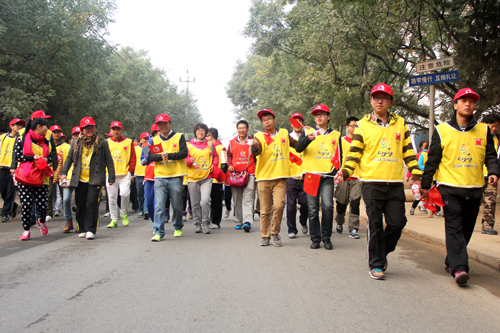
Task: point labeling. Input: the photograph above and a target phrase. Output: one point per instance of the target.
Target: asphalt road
(225, 281)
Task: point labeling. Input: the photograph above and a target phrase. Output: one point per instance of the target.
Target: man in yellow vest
(349, 191)
(295, 188)
(459, 150)
(217, 193)
(123, 153)
(490, 191)
(170, 168)
(319, 146)
(380, 147)
(7, 188)
(271, 148)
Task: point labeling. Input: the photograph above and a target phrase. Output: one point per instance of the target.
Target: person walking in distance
(140, 172)
(272, 149)
(380, 147)
(217, 194)
(124, 157)
(319, 147)
(295, 188)
(87, 160)
(240, 159)
(459, 149)
(349, 191)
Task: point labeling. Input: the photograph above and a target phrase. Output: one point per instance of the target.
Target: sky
(204, 37)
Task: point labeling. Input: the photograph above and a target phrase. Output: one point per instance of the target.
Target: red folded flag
(336, 159)
(311, 183)
(295, 159)
(156, 149)
(435, 197)
(429, 205)
(268, 138)
(295, 122)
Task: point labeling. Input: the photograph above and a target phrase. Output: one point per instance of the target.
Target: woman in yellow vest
(201, 160)
(29, 148)
(459, 149)
(89, 156)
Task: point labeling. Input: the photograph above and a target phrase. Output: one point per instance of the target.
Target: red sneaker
(461, 277)
(43, 227)
(26, 235)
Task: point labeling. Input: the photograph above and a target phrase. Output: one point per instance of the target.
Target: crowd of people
(306, 170)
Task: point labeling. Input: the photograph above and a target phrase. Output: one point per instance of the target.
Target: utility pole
(187, 81)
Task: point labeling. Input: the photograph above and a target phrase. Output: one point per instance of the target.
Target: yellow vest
(37, 150)
(7, 150)
(273, 161)
(200, 169)
(496, 144)
(85, 169)
(318, 155)
(219, 152)
(62, 155)
(172, 168)
(120, 152)
(463, 156)
(345, 150)
(140, 170)
(382, 159)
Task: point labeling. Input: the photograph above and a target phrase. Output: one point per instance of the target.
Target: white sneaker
(82, 235)
(292, 235)
(214, 226)
(185, 218)
(226, 215)
(190, 216)
(106, 215)
(48, 219)
(56, 213)
(90, 235)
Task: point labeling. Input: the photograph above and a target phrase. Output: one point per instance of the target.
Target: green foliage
(334, 52)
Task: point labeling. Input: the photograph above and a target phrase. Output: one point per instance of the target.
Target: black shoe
(146, 216)
(315, 245)
(339, 228)
(73, 209)
(5, 218)
(489, 231)
(13, 213)
(328, 244)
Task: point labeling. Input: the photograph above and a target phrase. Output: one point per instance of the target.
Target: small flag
(295, 122)
(295, 159)
(336, 159)
(435, 197)
(156, 149)
(268, 138)
(311, 183)
(429, 205)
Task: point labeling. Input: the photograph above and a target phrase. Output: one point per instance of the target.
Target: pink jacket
(202, 145)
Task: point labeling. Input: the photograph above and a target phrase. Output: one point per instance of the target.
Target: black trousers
(133, 196)
(295, 193)
(87, 199)
(389, 201)
(7, 190)
(216, 196)
(228, 195)
(460, 214)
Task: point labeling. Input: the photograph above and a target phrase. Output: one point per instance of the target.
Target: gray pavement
(122, 282)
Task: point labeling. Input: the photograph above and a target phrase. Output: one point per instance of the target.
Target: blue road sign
(436, 78)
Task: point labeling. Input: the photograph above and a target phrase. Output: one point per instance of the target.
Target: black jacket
(436, 154)
(98, 163)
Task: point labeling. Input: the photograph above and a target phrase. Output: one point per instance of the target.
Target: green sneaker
(177, 233)
(156, 238)
(124, 220)
(141, 214)
(113, 224)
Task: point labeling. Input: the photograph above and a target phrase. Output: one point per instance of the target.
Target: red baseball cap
(382, 88)
(466, 92)
(63, 136)
(87, 121)
(116, 124)
(320, 107)
(17, 120)
(261, 112)
(144, 135)
(154, 128)
(39, 114)
(162, 117)
(55, 128)
(297, 115)
(76, 129)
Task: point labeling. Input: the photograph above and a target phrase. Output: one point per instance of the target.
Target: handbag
(239, 179)
(34, 178)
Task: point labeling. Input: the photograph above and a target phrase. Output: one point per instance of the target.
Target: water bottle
(416, 192)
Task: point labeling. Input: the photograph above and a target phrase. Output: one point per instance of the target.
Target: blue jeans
(139, 185)
(67, 191)
(174, 188)
(149, 199)
(324, 230)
